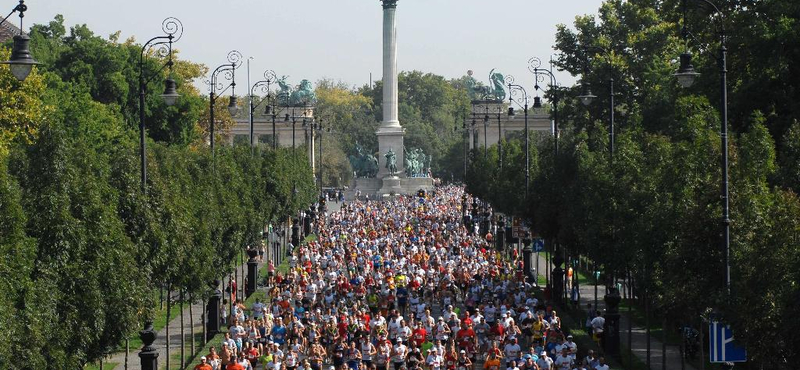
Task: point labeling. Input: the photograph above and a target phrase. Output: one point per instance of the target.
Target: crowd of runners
(399, 285)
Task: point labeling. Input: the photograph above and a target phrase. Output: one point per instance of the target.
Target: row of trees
(654, 211)
(83, 251)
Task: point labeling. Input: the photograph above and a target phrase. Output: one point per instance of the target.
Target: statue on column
(391, 162)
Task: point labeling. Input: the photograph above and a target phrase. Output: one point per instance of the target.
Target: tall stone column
(390, 116)
(390, 133)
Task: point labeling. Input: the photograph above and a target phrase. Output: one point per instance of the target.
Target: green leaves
(82, 248)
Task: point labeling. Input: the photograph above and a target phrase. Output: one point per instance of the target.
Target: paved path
(161, 342)
(639, 337)
(174, 335)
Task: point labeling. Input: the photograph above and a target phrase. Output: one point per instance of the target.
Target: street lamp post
(274, 131)
(321, 129)
(515, 90)
(686, 76)
(612, 297)
(587, 97)
(229, 71)
(293, 119)
(21, 62)
(534, 65)
(269, 78)
(173, 30)
(466, 146)
(499, 138)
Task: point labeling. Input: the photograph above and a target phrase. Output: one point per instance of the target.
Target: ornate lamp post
(485, 132)
(173, 30)
(686, 76)
(229, 71)
(534, 65)
(612, 297)
(587, 97)
(264, 85)
(499, 138)
(293, 119)
(515, 90)
(466, 146)
(479, 104)
(319, 126)
(518, 90)
(21, 62)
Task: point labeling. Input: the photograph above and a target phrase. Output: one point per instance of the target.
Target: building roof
(7, 31)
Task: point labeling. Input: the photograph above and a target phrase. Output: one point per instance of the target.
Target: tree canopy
(82, 247)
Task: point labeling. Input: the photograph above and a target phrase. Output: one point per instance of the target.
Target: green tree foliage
(349, 115)
(82, 247)
(335, 167)
(109, 71)
(655, 209)
(21, 110)
(503, 187)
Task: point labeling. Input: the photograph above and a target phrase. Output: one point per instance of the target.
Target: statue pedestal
(377, 188)
(391, 186)
(390, 137)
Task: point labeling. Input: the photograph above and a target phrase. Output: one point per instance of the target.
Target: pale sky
(338, 39)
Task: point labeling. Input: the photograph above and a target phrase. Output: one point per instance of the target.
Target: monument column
(390, 89)
(390, 133)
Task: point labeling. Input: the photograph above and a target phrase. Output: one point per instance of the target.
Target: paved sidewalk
(639, 336)
(161, 341)
(174, 336)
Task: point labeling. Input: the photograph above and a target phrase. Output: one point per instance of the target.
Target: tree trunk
(127, 352)
(683, 350)
(169, 308)
(230, 300)
(203, 319)
(647, 323)
(191, 326)
(630, 318)
(664, 342)
(702, 345)
(183, 335)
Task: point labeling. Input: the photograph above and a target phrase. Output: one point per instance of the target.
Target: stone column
(390, 116)
(390, 133)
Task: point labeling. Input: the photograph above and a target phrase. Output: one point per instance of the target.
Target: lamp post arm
(173, 31)
(21, 8)
(265, 87)
(516, 89)
(215, 85)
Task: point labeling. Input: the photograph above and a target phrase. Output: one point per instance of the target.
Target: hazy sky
(338, 39)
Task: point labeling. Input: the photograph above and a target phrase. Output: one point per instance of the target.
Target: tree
(21, 110)
(109, 71)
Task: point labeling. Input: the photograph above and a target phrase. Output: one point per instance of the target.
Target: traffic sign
(538, 245)
(518, 230)
(723, 348)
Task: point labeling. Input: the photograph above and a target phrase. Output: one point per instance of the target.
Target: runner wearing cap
(203, 365)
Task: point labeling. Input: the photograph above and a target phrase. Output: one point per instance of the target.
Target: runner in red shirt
(419, 335)
(466, 336)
